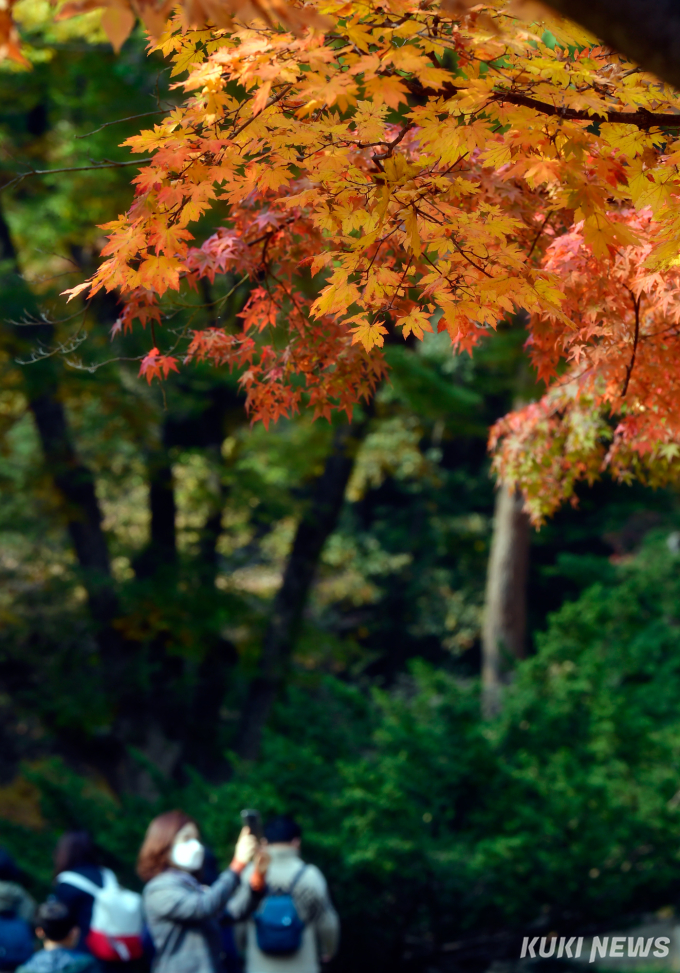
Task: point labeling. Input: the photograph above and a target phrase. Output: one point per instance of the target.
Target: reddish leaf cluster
(412, 164)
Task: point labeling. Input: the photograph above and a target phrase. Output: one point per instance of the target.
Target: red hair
(154, 855)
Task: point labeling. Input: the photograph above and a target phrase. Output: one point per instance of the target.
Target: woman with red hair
(181, 914)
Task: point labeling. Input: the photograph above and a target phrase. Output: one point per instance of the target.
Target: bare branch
(49, 172)
(144, 114)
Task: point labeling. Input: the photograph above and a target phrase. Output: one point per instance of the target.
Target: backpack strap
(109, 879)
(80, 882)
(296, 878)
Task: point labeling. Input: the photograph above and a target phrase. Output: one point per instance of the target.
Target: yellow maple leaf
(386, 89)
(412, 234)
(416, 322)
(160, 273)
(370, 335)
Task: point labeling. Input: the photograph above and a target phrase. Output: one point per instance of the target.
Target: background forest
(145, 659)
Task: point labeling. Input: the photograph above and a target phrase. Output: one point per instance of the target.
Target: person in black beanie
(297, 898)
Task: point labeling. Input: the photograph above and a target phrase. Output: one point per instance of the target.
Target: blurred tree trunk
(212, 526)
(504, 630)
(75, 485)
(317, 524)
(72, 478)
(184, 704)
(163, 508)
(161, 551)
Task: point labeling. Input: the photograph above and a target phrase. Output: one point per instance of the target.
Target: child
(57, 928)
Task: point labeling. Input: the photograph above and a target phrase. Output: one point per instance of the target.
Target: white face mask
(188, 855)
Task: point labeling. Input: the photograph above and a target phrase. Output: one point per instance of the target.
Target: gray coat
(182, 914)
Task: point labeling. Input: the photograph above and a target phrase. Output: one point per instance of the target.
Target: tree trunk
(504, 631)
(208, 559)
(318, 522)
(73, 479)
(161, 551)
(646, 31)
(75, 484)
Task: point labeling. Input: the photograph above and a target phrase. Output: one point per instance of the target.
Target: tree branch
(631, 365)
(49, 172)
(538, 235)
(128, 118)
(641, 118)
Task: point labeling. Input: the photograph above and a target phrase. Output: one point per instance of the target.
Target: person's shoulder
(162, 880)
(170, 878)
(93, 873)
(312, 877)
(28, 966)
(80, 963)
(43, 961)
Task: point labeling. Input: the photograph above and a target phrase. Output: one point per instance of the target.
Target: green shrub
(430, 823)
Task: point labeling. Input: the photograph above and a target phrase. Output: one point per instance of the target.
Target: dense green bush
(429, 822)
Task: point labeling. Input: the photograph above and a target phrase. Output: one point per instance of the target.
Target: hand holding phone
(252, 820)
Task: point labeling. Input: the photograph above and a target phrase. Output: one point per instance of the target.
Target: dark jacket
(60, 961)
(182, 918)
(80, 903)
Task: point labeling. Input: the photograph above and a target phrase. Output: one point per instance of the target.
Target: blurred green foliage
(432, 824)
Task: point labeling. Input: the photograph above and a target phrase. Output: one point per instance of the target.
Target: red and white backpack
(116, 927)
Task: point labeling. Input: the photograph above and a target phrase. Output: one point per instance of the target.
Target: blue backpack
(278, 927)
(16, 941)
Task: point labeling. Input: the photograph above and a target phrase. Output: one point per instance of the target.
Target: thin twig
(538, 236)
(49, 172)
(144, 114)
(63, 348)
(272, 101)
(629, 370)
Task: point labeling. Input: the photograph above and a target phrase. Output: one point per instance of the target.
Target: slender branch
(641, 118)
(144, 114)
(629, 370)
(394, 143)
(272, 101)
(538, 235)
(49, 172)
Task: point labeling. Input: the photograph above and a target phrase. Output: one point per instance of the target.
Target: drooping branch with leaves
(394, 167)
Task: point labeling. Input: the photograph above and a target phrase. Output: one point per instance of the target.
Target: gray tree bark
(645, 31)
(504, 631)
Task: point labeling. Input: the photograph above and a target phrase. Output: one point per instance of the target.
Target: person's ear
(40, 932)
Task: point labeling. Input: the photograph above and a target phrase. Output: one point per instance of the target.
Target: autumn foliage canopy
(386, 168)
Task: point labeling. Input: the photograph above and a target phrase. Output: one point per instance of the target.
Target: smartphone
(252, 819)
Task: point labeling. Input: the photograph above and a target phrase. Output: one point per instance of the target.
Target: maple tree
(395, 166)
